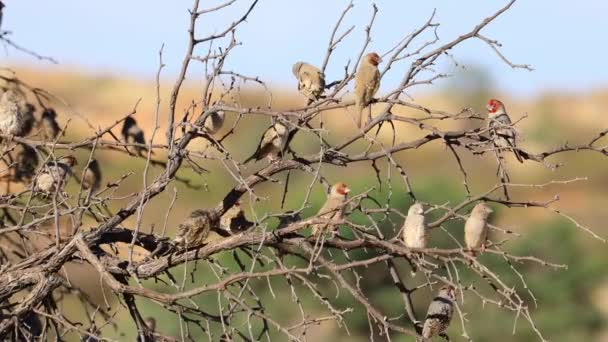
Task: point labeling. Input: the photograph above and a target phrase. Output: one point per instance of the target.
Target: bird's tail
(518, 155)
(252, 157)
(359, 107)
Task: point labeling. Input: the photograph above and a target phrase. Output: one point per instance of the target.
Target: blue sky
(564, 41)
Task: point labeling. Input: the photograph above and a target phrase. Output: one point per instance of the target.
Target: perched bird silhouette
(48, 126)
(92, 176)
(272, 144)
(12, 105)
(367, 82)
(195, 229)
(476, 228)
(333, 209)
(234, 220)
(311, 81)
(414, 227)
(26, 163)
(29, 120)
(214, 122)
(440, 312)
(132, 134)
(502, 133)
(55, 174)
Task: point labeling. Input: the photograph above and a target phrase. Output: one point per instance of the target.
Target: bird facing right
(333, 209)
(311, 80)
(48, 126)
(504, 136)
(214, 122)
(440, 312)
(92, 176)
(476, 228)
(12, 105)
(367, 82)
(55, 174)
(272, 144)
(195, 229)
(132, 134)
(414, 227)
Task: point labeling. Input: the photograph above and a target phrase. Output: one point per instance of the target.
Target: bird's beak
(347, 190)
(489, 108)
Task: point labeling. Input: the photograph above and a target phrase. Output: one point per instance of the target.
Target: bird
(28, 120)
(311, 80)
(476, 228)
(48, 126)
(132, 134)
(414, 227)
(55, 174)
(333, 209)
(195, 229)
(367, 82)
(92, 176)
(503, 135)
(272, 143)
(440, 312)
(234, 219)
(12, 104)
(214, 122)
(26, 163)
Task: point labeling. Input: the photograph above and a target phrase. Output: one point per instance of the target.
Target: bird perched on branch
(214, 122)
(26, 162)
(48, 126)
(132, 134)
(414, 227)
(12, 109)
(440, 312)
(92, 176)
(311, 81)
(55, 174)
(367, 82)
(234, 220)
(272, 144)
(195, 229)
(332, 210)
(502, 133)
(476, 228)
(28, 120)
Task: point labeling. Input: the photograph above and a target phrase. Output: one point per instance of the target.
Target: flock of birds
(17, 119)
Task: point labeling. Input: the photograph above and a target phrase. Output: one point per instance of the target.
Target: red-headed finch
(272, 144)
(332, 210)
(311, 81)
(439, 314)
(367, 82)
(501, 130)
(476, 227)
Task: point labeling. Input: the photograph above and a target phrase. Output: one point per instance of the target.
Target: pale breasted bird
(55, 174)
(195, 229)
(502, 133)
(272, 144)
(12, 105)
(48, 126)
(132, 134)
(26, 163)
(476, 228)
(311, 80)
(91, 178)
(234, 220)
(214, 122)
(414, 227)
(332, 210)
(367, 82)
(440, 312)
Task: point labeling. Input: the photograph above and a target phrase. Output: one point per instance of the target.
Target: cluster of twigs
(33, 281)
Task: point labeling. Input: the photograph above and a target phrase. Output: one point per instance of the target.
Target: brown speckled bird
(439, 314)
(272, 144)
(476, 228)
(504, 136)
(48, 126)
(234, 220)
(311, 81)
(333, 209)
(414, 227)
(91, 178)
(367, 82)
(12, 107)
(195, 229)
(55, 174)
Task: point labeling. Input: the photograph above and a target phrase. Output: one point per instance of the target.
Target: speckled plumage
(55, 174)
(12, 105)
(333, 209)
(439, 314)
(195, 229)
